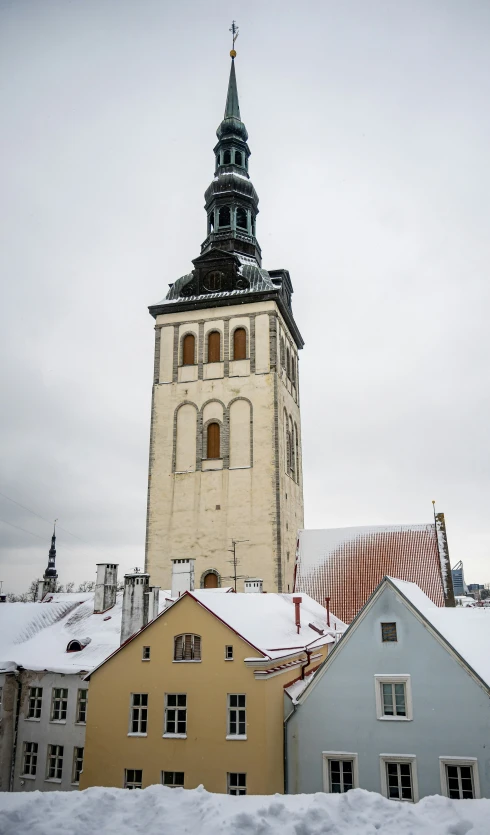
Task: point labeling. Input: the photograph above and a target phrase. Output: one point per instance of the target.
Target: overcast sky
(369, 128)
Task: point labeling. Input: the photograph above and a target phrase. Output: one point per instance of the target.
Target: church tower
(225, 439)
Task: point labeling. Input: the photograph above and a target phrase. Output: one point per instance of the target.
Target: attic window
(74, 646)
(388, 632)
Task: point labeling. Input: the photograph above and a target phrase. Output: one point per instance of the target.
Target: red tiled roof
(346, 564)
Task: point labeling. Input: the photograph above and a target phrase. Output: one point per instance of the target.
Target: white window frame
(81, 701)
(379, 680)
(133, 784)
(53, 753)
(228, 657)
(37, 702)
(31, 774)
(176, 708)
(145, 655)
(76, 760)
(242, 790)
(230, 708)
(340, 755)
(62, 704)
(403, 759)
(472, 762)
(139, 708)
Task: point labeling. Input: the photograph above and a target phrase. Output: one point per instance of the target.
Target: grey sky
(369, 130)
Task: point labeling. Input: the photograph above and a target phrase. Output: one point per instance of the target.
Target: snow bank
(162, 811)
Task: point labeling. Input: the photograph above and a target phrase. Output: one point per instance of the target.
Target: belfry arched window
(224, 216)
(214, 346)
(213, 440)
(240, 344)
(238, 158)
(211, 222)
(241, 218)
(227, 157)
(189, 349)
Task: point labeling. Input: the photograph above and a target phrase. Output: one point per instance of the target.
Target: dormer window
(227, 158)
(238, 158)
(224, 216)
(74, 646)
(241, 218)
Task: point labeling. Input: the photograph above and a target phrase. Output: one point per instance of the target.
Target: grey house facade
(400, 707)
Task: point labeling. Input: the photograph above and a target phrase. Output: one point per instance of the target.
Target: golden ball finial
(232, 53)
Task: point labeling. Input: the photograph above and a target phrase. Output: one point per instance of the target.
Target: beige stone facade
(253, 490)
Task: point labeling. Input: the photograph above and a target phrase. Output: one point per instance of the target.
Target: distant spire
(51, 569)
(232, 108)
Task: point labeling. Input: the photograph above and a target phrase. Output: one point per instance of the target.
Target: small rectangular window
(388, 632)
(236, 783)
(138, 721)
(459, 778)
(77, 764)
(173, 779)
(146, 653)
(229, 653)
(175, 714)
(341, 775)
(59, 704)
(82, 706)
(394, 702)
(54, 764)
(35, 702)
(29, 760)
(133, 778)
(399, 781)
(237, 716)
(393, 697)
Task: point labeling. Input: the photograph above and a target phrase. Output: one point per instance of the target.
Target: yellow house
(197, 695)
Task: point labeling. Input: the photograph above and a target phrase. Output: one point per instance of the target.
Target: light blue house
(400, 706)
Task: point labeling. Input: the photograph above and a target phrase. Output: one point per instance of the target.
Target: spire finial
(234, 33)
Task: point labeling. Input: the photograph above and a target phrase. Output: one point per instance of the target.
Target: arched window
(296, 445)
(211, 580)
(288, 362)
(253, 224)
(189, 349)
(241, 218)
(211, 222)
(214, 347)
(227, 157)
(187, 648)
(240, 344)
(283, 354)
(224, 216)
(217, 160)
(238, 158)
(293, 368)
(213, 440)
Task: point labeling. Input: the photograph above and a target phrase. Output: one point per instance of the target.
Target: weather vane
(234, 32)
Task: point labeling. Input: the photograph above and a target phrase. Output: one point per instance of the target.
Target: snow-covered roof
(267, 621)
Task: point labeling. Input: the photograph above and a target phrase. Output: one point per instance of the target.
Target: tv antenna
(234, 561)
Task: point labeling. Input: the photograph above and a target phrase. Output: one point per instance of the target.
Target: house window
(236, 783)
(187, 648)
(214, 346)
(229, 653)
(398, 778)
(240, 344)
(146, 654)
(459, 778)
(35, 702)
(189, 349)
(139, 713)
(237, 718)
(388, 632)
(393, 697)
(54, 767)
(29, 760)
(213, 440)
(224, 214)
(59, 704)
(77, 764)
(340, 775)
(133, 778)
(241, 218)
(175, 714)
(173, 779)
(82, 706)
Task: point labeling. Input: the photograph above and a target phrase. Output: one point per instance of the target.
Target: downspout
(285, 766)
(16, 730)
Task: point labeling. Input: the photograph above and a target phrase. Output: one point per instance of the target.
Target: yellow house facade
(196, 697)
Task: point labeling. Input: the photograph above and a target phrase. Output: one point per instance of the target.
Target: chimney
(135, 604)
(3, 598)
(182, 577)
(327, 601)
(297, 616)
(153, 602)
(105, 587)
(254, 585)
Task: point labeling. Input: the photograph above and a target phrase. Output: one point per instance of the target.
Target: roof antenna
(234, 32)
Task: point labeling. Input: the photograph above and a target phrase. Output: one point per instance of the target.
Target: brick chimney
(297, 611)
(105, 587)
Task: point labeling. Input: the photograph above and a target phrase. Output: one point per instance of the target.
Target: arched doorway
(210, 580)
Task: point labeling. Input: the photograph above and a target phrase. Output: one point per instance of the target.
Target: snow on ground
(161, 811)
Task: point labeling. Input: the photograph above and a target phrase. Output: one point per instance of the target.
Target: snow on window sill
(394, 718)
(137, 734)
(81, 723)
(27, 776)
(174, 736)
(53, 780)
(187, 661)
(236, 736)
(57, 721)
(32, 719)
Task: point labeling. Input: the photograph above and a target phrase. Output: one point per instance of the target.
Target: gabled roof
(265, 621)
(464, 632)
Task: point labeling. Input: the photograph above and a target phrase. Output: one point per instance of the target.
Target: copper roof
(346, 564)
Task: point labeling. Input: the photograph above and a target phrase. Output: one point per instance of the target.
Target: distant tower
(225, 439)
(48, 584)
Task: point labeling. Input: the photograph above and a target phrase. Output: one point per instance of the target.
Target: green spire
(232, 108)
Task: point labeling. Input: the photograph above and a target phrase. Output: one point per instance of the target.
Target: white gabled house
(401, 706)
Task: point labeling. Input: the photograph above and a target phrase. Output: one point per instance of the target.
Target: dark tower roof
(229, 268)
(51, 569)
